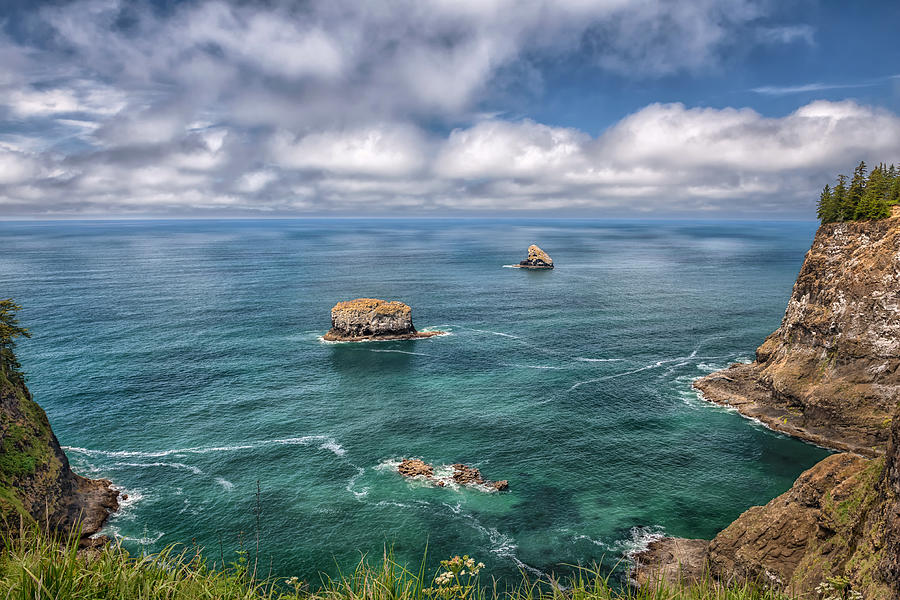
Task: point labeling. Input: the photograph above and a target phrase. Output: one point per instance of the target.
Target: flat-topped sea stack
(537, 259)
(366, 319)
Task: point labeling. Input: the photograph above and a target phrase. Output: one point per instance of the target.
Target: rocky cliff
(372, 319)
(36, 483)
(831, 373)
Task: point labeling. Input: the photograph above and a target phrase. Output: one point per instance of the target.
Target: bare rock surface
(366, 319)
(537, 259)
(830, 374)
(670, 559)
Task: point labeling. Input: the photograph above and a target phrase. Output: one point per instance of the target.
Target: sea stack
(537, 259)
(366, 319)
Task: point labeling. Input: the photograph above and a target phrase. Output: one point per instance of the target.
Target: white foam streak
(227, 485)
(328, 443)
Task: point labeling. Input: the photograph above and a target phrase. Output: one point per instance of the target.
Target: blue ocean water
(182, 360)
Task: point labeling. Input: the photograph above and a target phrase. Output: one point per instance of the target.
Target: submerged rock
(372, 319)
(537, 259)
(462, 475)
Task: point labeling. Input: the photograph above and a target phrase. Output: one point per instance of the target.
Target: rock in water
(462, 475)
(372, 319)
(537, 259)
(413, 467)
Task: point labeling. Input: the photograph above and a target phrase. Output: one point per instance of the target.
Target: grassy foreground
(36, 565)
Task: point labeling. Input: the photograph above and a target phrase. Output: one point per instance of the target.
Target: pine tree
(854, 192)
(827, 210)
(839, 194)
(873, 204)
(9, 331)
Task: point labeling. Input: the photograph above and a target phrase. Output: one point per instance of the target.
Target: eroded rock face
(36, 476)
(537, 259)
(372, 319)
(831, 373)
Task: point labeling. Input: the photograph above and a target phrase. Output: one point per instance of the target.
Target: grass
(37, 565)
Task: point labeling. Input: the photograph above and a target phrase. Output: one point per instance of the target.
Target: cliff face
(840, 518)
(36, 482)
(831, 373)
(372, 319)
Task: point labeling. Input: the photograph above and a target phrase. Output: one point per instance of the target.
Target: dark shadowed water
(182, 360)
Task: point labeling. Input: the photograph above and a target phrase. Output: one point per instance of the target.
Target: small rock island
(368, 319)
(537, 259)
(462, 475)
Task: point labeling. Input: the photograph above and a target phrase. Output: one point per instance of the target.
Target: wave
(680, 360)
(182, 466)
(227, 485)
(328, 443)
(640, 539)
(400, 352)
(583, 359)
(533, 366)
(362, 493)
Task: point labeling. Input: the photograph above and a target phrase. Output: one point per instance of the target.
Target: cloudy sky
(707, 108)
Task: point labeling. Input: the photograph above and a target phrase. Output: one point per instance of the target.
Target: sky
(568, 108)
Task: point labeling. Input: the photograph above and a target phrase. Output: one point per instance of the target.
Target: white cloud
(382, 150)
(324, 105)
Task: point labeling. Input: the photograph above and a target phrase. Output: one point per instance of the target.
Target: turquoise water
(182, 360)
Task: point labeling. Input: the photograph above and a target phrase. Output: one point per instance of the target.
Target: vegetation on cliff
(36, 483)
(863, 196)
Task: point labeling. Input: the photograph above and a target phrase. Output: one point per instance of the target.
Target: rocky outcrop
(461, 475)
(838, 519)
(670, 559)
(537, 259)
(36, 482)
(464, 475)
(830, 374)
(367, 319)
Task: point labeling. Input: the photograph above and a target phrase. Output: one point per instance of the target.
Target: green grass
(37, 565)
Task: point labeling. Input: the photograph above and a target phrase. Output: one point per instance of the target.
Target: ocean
(183, 361)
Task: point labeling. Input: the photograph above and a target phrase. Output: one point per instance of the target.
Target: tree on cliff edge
(9, 331)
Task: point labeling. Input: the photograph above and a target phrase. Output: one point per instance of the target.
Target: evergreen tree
(9, 331)
(827, 211)
(854, 192)
(838, 194)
